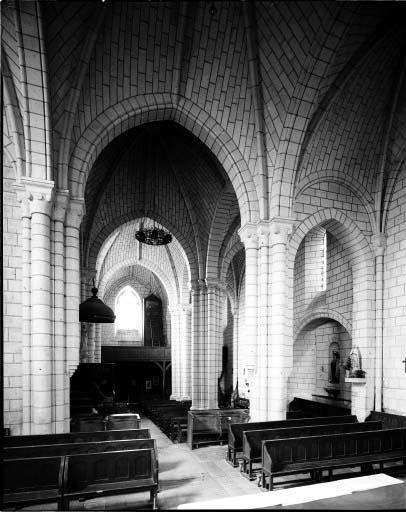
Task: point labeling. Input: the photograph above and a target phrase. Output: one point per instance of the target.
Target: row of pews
(169, 415)
(312, 445)
(196, 427)
(61, 468)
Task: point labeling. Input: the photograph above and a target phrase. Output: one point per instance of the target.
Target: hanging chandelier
(153, 235)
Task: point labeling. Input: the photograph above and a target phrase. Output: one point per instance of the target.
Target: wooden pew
(312, 408)
(211, 425)
(76, 437)
(328, 452)
(253, 439)
(48, 450)
(123, 421)
(93, 475)
(235, 430)
(32, 481)
(88, 423)
(388, 420)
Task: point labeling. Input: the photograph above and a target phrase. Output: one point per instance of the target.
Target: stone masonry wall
(12, 304)
(394, 315)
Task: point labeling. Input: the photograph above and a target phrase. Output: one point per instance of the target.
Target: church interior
(204, 254)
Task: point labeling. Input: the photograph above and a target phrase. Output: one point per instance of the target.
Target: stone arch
(219, 226)
(360, 246)
(14, 121)
(109, 229)
(136, 111)
(363, 270)
(348, 182)
(151, 266)
(311, 370)
(327, 314)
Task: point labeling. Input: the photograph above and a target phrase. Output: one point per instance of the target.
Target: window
(128, 310)
(324, 283)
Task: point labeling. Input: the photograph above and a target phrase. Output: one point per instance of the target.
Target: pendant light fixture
(95, 311)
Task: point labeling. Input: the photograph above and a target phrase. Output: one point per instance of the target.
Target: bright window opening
(324, 284)
(128, 310)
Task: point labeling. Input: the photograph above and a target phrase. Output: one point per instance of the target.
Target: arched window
(324, 282)
(128, 310)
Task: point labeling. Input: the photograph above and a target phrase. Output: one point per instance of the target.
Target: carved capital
(215, 284)
(281, 229)
(379, 243)
(60, 205)
(23, 197)
(263, 232)
(75, 212)
(39, 194)
(248, 236)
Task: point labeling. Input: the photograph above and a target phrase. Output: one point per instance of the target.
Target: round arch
(133, 112)
(321, 314)
(363, 270)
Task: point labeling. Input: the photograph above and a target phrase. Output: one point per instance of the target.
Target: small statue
(356, 365)
(335, 368)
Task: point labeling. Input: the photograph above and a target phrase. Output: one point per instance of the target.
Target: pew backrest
(279, 453)
(123, 421)
(35, 474)
(25, 452)
(253, 440)
(76, 437)
(235, 430)
(82, 470)
(88, 423)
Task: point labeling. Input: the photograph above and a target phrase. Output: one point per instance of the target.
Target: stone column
(91, 342)
(72, 287)
(215, 300)
(248, 347)
(186, 346)
(98, 343)
(41, 193)
(175, 352)
(280, 349)
(262, 391)
(23, 198)
(200, 398)
(379, 244)
(61, 378)
(234, 312)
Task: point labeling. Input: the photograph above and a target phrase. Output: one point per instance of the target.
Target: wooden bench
(235, 430)
(123, 421)
(76, 437)
(328, 452)
(88, 423)
(312, 408)
(32, 481)
(211, 425)
(253, 439)
(388, 420)
(48, 450)
(93, 475)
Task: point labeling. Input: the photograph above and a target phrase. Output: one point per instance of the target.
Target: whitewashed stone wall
(12, 304)
(394, 320)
